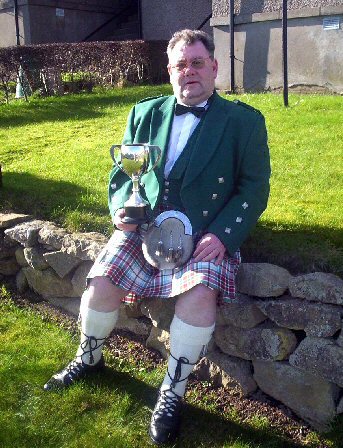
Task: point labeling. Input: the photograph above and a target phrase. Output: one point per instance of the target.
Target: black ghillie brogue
(165, 420)
(73, 372)
(77, 369)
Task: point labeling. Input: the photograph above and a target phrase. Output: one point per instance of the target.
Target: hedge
(55, 68)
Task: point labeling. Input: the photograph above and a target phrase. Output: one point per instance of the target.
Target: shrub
(61, 67)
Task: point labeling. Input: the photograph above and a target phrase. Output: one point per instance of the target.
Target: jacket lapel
(208, 139)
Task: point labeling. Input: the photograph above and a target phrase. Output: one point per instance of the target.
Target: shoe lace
(167, 403)
(73, 368)
(92, 343)
(177, 375)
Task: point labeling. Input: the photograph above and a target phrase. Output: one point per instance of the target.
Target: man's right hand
(117, 221)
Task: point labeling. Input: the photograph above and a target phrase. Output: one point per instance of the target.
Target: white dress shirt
(182, 128)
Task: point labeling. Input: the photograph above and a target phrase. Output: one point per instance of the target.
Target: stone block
(69, 304)
(315, 319)
(26, 233)
(61, 262)
(235, 372)
(311, 398)
(35, 259)
(20, 257)
(79, 278)
(159, 340)
(339, 340)
(9, 266)
(6, 251)
(12, 219)
(262, 279)
(340, 407)
(140, 327)
(134, 310)
(159, 311)
(242, 313)
(51, 235)
(318, 287)
(321, 357)
(21, 282)
(48, 284)
(85, 246)
(266, 342)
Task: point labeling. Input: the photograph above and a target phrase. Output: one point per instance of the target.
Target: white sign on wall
(59, 12)
(331, 23)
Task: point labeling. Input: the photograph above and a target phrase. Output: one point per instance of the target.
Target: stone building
(47, 21)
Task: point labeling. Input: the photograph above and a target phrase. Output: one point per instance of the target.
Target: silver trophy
(134, 160)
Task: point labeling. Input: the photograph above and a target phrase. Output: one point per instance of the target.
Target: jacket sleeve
(240, 214)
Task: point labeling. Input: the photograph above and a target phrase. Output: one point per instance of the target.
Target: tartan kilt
(122, 261)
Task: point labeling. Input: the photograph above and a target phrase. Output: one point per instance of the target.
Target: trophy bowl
(134, 161)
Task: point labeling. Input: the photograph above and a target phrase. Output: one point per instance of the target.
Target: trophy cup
(134, 161)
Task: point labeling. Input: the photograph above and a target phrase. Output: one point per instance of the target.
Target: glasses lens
(196, 64)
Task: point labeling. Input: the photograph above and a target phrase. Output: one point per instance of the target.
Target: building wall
(222, 7)
(314, 56)
(160, 18)
(46, 21)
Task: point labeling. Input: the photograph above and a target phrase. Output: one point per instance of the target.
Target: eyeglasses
(197, 64)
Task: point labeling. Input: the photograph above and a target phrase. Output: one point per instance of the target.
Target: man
(215, 169)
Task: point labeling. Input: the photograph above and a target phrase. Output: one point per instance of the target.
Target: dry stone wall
(282, 335)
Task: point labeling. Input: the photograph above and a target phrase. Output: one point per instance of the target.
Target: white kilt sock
(96, 326)
(186, 345)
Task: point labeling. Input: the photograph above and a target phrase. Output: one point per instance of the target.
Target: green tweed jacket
(226, 184)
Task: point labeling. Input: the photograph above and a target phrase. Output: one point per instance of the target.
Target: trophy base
(135, 215)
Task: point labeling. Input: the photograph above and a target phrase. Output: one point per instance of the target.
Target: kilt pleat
(123, 262)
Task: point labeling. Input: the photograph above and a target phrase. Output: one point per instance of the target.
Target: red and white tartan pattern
(123, 262)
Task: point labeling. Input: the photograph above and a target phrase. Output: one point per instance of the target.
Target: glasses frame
(189, 64)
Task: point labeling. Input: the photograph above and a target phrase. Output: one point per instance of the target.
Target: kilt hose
(122, 261)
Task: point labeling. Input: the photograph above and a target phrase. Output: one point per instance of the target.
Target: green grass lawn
(55, 160)
(112, 410)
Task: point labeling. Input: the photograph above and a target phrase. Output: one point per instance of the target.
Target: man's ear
(169, 69)
(215, 67)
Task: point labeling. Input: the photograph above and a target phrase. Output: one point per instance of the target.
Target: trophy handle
(159, 153)
(113, 156)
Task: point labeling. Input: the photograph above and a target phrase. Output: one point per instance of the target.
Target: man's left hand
(209, 248)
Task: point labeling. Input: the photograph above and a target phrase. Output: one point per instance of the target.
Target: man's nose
(189, 70)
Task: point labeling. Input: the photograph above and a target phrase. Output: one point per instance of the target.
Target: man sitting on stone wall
(214, 169)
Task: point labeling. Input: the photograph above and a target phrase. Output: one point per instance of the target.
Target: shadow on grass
(73, 107)
(50, 199)
(200, 427)
(300, 250)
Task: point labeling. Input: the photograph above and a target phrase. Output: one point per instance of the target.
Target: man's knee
(101, 292)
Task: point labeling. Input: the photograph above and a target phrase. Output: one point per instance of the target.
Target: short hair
(190, 37)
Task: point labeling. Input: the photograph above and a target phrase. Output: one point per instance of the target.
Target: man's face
(192, 72)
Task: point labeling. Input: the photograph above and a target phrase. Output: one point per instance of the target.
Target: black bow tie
(198, 111)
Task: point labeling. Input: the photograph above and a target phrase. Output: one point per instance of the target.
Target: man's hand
(209, 248)
(117, 221)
